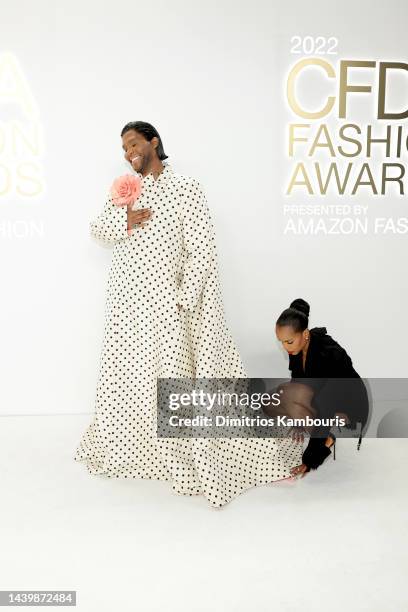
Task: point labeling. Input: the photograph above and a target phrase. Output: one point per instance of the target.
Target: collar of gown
(163, 176)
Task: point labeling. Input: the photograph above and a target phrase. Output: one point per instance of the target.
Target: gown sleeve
(110, 226)
(198, 242)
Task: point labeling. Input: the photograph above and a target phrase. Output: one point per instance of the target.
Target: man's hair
(148, 131)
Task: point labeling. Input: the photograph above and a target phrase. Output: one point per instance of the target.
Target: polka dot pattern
(172, 260)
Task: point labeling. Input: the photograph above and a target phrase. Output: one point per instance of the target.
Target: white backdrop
(211, 77)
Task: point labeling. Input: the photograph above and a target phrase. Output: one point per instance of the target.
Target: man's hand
(137, 217)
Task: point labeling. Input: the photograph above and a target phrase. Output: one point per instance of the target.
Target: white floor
(336, 540)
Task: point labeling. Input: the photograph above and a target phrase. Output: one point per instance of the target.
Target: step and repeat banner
(293, 117)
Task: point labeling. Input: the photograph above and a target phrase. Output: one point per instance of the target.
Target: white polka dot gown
(172, 260)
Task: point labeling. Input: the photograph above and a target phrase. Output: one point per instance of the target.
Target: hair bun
(301, 305)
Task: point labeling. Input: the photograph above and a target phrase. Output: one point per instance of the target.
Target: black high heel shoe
(333, 437)
(317, 451)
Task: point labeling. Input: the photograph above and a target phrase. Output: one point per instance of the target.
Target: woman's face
(293, 342)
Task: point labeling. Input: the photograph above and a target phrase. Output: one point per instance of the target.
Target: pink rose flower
(126, 189)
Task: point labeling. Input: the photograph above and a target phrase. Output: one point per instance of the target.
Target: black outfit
(337, 388)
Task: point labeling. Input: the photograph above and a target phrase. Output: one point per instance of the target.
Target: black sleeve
(339, 363)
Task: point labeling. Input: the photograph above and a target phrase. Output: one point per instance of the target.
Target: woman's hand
(299, 471)
(137, 217)
(297, 434)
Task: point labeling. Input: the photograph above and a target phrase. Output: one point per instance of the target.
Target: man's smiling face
(139, 152)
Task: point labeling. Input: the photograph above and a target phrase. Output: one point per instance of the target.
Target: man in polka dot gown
(164, 317)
